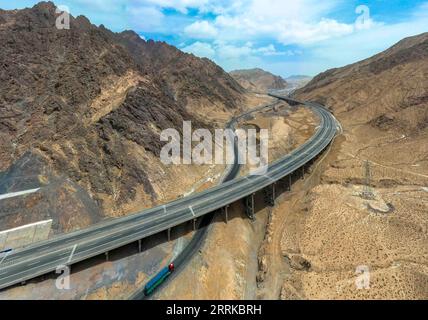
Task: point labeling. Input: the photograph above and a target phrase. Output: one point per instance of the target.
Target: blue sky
(285, 37)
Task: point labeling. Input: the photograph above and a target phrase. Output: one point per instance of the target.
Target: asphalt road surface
(44, 257)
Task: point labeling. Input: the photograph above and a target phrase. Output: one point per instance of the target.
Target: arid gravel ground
(333, 232)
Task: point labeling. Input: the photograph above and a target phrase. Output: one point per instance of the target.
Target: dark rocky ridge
(185, 74)
(50, 78)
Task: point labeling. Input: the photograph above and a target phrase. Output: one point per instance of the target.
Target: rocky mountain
(83, 107)
(298, 77)
(388, 90)
(258, 80)
(381, 225)
(298, 81)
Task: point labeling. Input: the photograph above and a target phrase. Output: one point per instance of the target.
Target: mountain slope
(90, 104)
(382, 104)
(391, 85)
(258, 80)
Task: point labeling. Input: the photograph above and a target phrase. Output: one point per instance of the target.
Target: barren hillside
(337, 231)
(86, 107)
(258, 80)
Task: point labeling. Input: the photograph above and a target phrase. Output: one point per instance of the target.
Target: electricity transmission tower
(367, 190)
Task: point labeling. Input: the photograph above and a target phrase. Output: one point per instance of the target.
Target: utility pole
(367, 190)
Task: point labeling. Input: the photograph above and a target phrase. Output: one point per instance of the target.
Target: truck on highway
(158, 279)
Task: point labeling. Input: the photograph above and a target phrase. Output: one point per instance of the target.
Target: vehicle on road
(5, 252)
(158, 279)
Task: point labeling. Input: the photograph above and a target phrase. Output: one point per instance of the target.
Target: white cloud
(229, 51)
(201, 30)
(179, 5)
(146, 18)
(286, 21)
(364, 43)
(101, 5)
(222, 51)
(290, 22)
(200, 49)
(422, 11)
(299, 33)
(218, 50)
(270, 50)
(233, 37)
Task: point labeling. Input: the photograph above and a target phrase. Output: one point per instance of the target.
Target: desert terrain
(333, 231)
(258, 80)
(356, 227)
(83, 127)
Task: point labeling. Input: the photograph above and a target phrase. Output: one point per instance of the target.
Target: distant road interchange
(67, 249)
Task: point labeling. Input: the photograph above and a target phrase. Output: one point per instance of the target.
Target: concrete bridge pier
(106, 254)
(270, 195)
(226, 215)
(249, 206)
(139, 246)
(169, 234)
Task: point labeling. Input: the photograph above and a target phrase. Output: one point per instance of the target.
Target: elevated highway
(67, 249)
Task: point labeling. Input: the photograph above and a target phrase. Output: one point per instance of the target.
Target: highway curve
(184, 257)
(43, 257)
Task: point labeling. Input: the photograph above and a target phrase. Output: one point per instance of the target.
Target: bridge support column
(249, 206)
(106, 254)
(169, 234)
(226, 215)
(303, 172)
(270, 195)
(139, 246)
(289, 182)
(194, 224)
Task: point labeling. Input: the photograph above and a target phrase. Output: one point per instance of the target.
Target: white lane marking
(17, 194)
(103, 245)
(7, 253)
(191, 210)
(86, 293)
(32, 263)
(72, 252)
(126, 227)
(312, 147)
